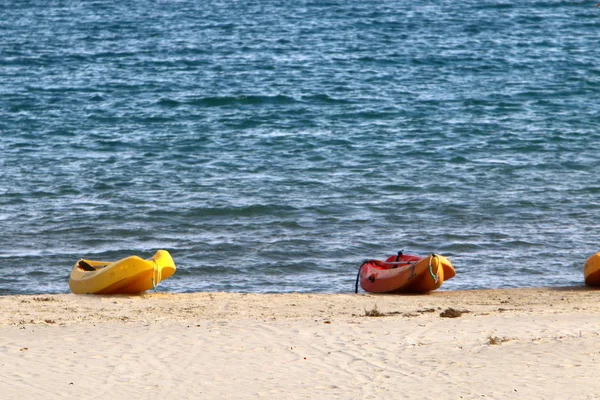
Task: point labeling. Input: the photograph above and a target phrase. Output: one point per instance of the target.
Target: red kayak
(404, 273)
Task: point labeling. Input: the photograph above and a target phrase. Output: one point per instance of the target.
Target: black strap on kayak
(398, 257)
(358, 277)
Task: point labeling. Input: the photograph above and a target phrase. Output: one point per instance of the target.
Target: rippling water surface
(271, 146)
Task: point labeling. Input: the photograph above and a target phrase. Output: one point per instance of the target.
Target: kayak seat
(85, 266)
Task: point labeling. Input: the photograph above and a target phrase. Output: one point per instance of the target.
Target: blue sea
(273, 145)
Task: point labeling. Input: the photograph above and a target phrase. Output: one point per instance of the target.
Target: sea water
(273, 145)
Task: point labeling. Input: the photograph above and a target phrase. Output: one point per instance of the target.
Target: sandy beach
(499, 344)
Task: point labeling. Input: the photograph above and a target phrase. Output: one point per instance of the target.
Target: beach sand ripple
(518, 343)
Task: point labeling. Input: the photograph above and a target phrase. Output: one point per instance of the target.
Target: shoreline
(495, 343)
(70, 308)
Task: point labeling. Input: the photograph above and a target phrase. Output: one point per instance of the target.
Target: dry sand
(498, 344)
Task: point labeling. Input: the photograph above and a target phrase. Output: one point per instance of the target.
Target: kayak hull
(405, 274)
(130, 275)
(591, 270)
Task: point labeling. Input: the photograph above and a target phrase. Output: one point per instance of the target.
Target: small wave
(166, 102)
(244, 211)
(324, 98)
(221, 101)
(97, 97)
(495, 6)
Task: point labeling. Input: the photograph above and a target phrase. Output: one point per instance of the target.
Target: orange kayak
(404, 273)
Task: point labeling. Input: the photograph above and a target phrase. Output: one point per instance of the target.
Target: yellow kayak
(130, 275)
(591, 270)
